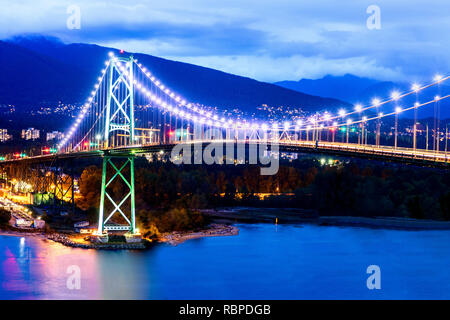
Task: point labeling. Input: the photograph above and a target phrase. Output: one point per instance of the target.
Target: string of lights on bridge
(192, 112)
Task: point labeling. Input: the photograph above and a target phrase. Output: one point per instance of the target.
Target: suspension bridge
(130, 112)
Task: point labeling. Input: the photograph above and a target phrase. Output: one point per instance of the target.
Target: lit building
(30, 134)
(55, 135)
(4, 136)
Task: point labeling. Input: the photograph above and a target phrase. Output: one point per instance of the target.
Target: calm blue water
(263, 262)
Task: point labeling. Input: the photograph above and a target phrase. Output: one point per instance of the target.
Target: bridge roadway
(384, 153)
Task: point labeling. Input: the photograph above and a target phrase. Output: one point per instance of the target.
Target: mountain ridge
(44, 83)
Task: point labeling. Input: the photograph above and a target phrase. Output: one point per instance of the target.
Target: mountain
(362, 90)
(40, 70)
(346, 87)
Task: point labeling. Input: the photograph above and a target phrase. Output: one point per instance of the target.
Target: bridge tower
(119, 130)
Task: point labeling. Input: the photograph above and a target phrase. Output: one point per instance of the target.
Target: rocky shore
(214, 230)
(67, 241)
(174, 238)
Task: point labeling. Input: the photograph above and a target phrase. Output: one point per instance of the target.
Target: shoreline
(221, 226)
(213, 230)
(173, 238)
(299, 216)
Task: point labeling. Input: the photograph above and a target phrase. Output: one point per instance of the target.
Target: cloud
(267, 68)
(267, 40)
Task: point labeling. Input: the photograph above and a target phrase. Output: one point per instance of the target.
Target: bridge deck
(386, 153)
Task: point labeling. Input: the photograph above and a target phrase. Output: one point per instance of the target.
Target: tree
(90, 187)
(5, 216)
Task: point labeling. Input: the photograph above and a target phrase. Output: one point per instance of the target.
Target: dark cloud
(190, 39)
(268, 40)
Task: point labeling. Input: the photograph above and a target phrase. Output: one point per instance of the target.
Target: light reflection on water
(263, 262)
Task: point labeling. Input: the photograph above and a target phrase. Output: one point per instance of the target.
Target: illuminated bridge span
(130, 111)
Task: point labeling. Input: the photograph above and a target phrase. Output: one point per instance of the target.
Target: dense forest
(168, 196)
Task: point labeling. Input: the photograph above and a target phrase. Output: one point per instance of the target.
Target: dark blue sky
(265, 40)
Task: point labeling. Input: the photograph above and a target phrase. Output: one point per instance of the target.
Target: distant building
(4, 136)
(30, 134)
(55, 135)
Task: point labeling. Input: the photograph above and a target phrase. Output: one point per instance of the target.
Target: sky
(266, 40)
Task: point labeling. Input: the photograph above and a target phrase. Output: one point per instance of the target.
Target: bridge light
(335, 124)
(287, 125)
(364, 118)
(111, 54)
(349, 121)
(395, 95)
(415, 87)
(436, 98)
(342, 112)
(437, 78)
(299, 122)
(380, 114)
(398, 110)
(376, 102)
(358, 108)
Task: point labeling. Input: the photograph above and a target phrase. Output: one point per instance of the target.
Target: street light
(397, 111)
(349, 122)
(415, 87)
(358, 108)
(376, 103)
(342, 113)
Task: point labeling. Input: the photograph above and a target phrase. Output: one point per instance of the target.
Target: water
(263, 262)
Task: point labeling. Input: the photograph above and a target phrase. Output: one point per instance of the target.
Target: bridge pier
(107, 213)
